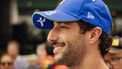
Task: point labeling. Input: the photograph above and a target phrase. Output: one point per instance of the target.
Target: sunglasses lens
(2, 63)
(8, 63)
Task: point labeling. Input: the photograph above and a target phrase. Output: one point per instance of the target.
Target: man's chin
(58, 57)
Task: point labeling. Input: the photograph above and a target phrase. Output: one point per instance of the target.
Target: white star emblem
(41, 21)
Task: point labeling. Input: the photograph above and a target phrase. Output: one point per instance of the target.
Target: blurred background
(16, 23)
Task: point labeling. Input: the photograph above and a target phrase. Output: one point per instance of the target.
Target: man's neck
(14, 57)
(91, 61)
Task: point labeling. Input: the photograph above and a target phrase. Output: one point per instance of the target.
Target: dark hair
(105, 40)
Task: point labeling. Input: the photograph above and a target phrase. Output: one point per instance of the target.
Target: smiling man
(114, 57)
(79, 32)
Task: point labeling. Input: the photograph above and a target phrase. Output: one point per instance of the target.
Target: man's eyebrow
(66, 23)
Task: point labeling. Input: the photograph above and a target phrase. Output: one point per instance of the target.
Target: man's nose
(6, 65)
(53, 35)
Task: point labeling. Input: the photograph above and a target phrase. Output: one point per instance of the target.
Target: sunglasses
(8, 63)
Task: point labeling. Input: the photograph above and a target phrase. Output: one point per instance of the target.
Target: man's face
(68, 42)
(13, 48)
(6, 62)
(114, 60)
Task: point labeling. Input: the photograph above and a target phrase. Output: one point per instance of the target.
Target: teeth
(56, 49)
(59, 45)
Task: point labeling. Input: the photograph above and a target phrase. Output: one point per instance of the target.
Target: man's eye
(64, 27)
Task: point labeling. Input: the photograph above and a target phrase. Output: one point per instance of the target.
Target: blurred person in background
(79, 31)
(43, 58)
(6, 62)
(0, 61)
(13, 49)
(114, 57)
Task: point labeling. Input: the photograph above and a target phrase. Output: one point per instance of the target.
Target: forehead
(113, 55)
(117, 54)
(6, 58)
(13, 45)
(108, 56)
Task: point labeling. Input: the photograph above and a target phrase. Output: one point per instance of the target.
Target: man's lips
(57, 48)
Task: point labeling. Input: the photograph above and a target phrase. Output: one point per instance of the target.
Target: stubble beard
(73, 55)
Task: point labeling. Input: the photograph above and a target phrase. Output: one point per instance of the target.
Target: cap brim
(115, 50)
(44, 20)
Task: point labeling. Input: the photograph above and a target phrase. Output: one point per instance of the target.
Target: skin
(6, 58)
(113, 65)
(41, 55)
(41, 51)
(13, 49)
(75, 49)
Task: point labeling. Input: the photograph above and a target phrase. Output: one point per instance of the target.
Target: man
(79, 29)
(13, 51)
(6, 62)
(43, 58)
(114, 57)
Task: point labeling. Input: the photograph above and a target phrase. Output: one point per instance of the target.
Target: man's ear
(94, 34)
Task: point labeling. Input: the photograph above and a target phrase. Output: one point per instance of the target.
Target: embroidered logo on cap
(89, 15)
(41, 21)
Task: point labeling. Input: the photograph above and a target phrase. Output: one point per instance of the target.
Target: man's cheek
(120, 65)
